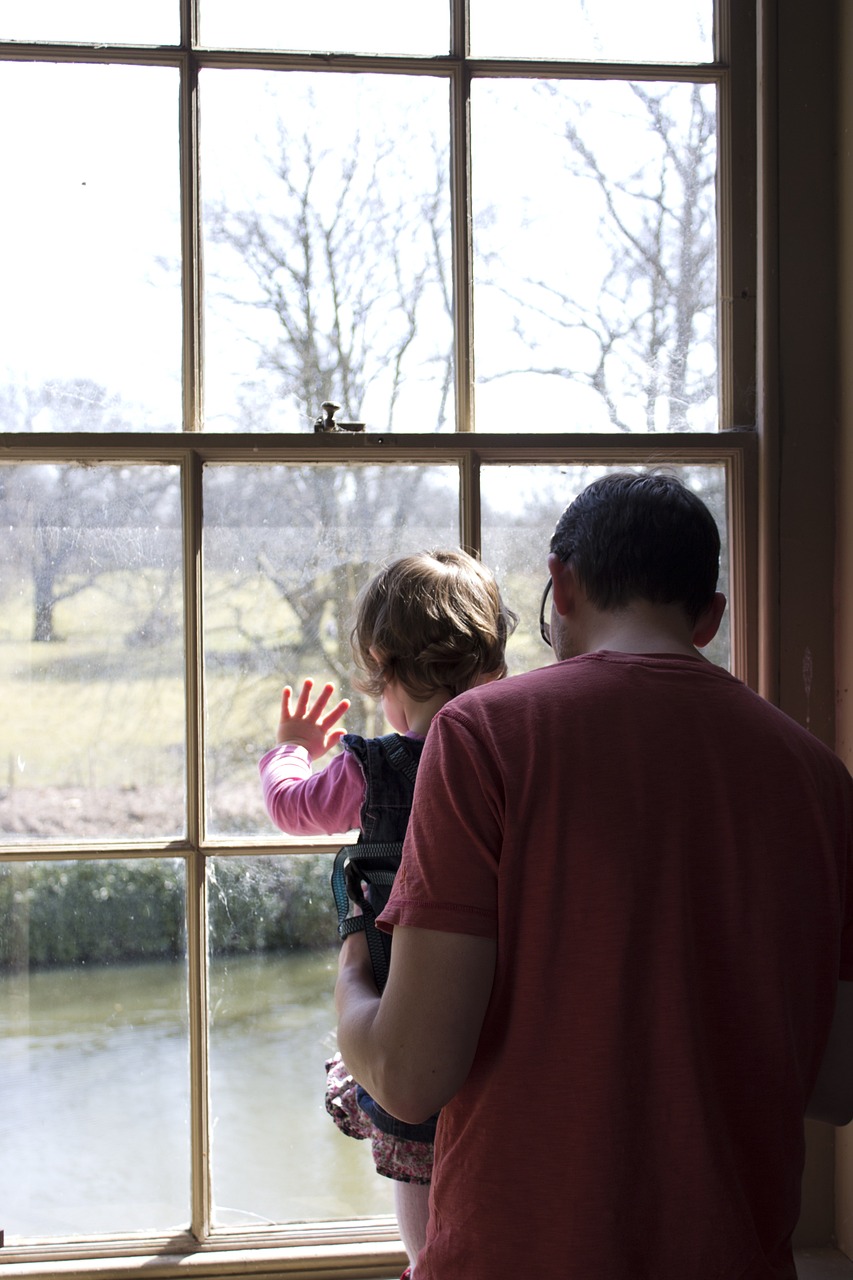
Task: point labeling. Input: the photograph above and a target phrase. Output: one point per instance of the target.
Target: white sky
(615, 30)
(89, 228)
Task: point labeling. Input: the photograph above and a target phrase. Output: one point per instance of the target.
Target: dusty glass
(94, 1067)
(285, 551)
(594, 30)
(327, 251)
(277, 1156)
(104, 21)
(90, 310)
(92, 737)
(595, 256)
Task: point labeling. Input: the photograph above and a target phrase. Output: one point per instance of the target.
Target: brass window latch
(326, 420)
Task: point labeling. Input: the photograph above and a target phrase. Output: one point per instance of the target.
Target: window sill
(376, 1261)
(822, 1264)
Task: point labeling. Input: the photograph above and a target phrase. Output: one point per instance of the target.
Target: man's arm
(413, 1048)
(832, 1098)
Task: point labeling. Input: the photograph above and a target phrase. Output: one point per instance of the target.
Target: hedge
(101, 912)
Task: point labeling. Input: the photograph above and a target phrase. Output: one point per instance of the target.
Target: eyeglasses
(545, 627)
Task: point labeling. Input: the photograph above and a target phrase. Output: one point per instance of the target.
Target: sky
(90, 242)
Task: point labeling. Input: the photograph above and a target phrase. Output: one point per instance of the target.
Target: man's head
(632, 537)
(433, 621)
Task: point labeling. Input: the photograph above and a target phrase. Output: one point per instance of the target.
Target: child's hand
(311, 729)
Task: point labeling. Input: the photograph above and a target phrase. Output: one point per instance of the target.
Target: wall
(844, 561)
(798, 398)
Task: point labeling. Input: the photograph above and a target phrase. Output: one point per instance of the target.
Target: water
(94, 1100)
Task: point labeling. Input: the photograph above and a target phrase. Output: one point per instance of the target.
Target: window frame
(370, 1247)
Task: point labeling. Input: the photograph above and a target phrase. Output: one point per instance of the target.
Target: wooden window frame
(370, 1248)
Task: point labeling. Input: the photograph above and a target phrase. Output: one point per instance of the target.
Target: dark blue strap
(399, 756)
(377, 942)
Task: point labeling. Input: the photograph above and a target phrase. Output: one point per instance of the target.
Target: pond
(94, 1099)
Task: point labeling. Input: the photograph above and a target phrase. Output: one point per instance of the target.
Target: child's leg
(411, 1204)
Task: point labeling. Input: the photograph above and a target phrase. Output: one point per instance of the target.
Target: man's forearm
(413, 1049)
(357, 1003)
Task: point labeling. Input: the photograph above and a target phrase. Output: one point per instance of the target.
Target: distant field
(93, 726)
(102, 708)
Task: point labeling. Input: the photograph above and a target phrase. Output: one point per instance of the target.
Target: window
(502, 256)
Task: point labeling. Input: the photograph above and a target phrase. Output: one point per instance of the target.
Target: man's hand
(311, 728)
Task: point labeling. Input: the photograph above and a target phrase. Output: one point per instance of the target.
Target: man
(619, 930)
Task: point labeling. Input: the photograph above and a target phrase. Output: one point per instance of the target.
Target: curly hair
(432, 621)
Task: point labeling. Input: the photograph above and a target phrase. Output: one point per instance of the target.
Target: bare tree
(45, 506)
(350, 264)
(64, 519)
(346, 260)
(652, 323)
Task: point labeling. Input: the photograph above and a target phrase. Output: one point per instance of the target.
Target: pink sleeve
(306, 804)
(448, 877)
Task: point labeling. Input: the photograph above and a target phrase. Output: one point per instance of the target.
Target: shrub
(98, 912)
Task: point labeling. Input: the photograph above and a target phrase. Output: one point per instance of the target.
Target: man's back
(668, 904)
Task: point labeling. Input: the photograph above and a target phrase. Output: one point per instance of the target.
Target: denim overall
(387, 791)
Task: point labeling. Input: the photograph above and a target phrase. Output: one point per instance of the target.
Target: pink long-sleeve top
(303, 803)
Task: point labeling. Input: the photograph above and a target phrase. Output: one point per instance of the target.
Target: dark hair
(645, 536)
(433, 621)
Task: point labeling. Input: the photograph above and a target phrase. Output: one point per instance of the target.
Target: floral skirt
(402, 1159)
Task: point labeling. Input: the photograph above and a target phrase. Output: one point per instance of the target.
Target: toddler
(427, 627)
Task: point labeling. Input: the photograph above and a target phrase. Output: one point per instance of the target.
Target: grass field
(93, 725)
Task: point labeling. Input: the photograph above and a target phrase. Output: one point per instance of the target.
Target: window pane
(277, 1155)
(103, 21)
(338, 26)
(327, 251)
(93, 725)
(594, 30)
(286, 549)
(90, 310)
(595, 256)
(94, 1099)
(521, 507)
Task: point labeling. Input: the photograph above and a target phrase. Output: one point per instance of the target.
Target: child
(427, 627)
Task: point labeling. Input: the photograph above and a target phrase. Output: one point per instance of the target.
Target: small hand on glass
(311, 727)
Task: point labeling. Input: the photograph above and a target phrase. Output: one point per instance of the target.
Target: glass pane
(594, 30)
(327, 251)
(94, 1095)
(336, 26)
(520, 509)
(286, 549)
(595, 256)
(99, 21)
(90, 310)
(277, 1155)
(93, 725)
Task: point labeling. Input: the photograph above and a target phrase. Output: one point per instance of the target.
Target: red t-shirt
(663, 857)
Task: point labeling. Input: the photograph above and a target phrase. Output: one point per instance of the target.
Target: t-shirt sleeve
(448, 876)
(306, 804)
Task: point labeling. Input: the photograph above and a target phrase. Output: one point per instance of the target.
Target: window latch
(326, 420)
